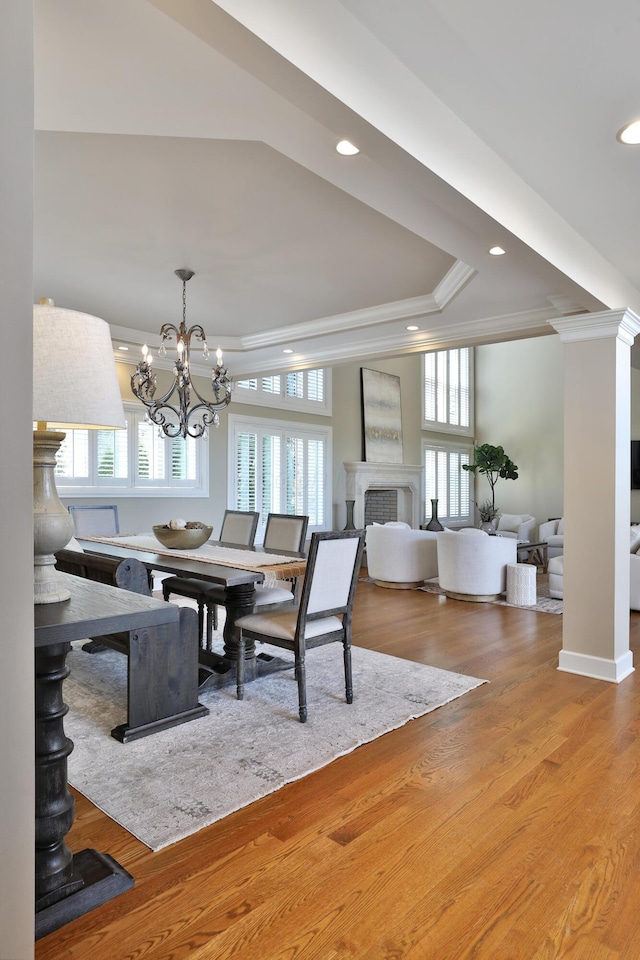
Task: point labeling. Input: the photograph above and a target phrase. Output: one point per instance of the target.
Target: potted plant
(494, 463)
(488, 515)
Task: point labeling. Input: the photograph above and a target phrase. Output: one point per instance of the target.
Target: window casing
(448, 391)
(133, 462)
(446, 481)
(307, 391)
(280, 467)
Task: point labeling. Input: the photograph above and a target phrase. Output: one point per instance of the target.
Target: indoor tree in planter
(494, 463)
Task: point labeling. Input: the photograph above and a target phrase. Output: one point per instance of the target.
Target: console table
(69, 885)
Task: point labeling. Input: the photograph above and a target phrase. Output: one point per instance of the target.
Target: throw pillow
(510, 522)
(473, 532)
(635, 538)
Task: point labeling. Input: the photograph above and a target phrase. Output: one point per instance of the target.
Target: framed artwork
(381, 417)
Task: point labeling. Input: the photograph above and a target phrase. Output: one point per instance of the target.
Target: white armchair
(400, 557)
(553, 532)
(473, 565)
(517, 526)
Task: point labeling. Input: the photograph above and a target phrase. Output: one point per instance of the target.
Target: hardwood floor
(502, 826)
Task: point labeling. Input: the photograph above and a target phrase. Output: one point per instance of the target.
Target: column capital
(598, 326)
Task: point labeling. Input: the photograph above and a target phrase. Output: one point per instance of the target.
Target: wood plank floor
(502, 826)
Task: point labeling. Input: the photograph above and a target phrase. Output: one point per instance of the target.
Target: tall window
(446, 481)
(279, 467)
(448, 391)
(136, 461)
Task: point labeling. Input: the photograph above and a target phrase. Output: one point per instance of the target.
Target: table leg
(66, 885)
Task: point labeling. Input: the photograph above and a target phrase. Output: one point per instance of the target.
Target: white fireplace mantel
(404, 477)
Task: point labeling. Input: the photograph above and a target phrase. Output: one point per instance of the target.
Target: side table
(521, 584)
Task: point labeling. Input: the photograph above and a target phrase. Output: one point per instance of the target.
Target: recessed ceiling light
(413, 327)
(287, 351)
(630, 133)
(123, 348)
(496, 251)
(347, 149)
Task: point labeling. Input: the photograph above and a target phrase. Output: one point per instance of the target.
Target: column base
(596, 667)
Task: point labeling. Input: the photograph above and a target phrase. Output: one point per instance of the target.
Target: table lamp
(74, 386)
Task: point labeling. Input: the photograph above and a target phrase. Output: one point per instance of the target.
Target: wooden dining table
(239, 591)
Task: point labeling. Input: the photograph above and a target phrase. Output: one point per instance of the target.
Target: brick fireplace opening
(380, 506)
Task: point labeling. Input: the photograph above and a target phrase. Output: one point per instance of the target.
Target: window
(279, 467)
(448, 391)
(136, 461)
(446, 481)
(305, 390)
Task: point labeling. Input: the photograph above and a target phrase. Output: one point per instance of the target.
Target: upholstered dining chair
(95, 521)
(238, 529)
(288, 532)
(323, 615)
(282, 532)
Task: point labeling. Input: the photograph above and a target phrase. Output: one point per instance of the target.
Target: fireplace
(405, 479)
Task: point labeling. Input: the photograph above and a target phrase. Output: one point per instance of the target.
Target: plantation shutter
(246, 456)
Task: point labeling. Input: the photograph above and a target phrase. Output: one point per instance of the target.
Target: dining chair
(238, 529)
(323, 615)
(95, 521)
(283, 531)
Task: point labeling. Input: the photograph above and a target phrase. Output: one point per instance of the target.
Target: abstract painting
(381, 417)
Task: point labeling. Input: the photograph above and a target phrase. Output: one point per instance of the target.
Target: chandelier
(178, 418)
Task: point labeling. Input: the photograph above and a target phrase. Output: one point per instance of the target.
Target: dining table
(235, 567)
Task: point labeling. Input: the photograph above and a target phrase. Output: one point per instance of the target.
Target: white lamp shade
(74, 373)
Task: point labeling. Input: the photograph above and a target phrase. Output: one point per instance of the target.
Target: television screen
(635, 464)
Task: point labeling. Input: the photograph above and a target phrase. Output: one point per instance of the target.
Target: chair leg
(302, 688)
(209, 628)
(348, 674)
(166, 592)
(240, 668)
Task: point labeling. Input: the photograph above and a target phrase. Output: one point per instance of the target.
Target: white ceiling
(186, 133)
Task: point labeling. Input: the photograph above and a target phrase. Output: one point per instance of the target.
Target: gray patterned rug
(171, 784)
(544, 603)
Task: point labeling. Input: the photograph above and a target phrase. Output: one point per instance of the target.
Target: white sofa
(553, 532)
(399, 556)
(472, 565)
(556, 572)
(519, 526)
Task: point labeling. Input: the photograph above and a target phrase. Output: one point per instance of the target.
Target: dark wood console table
(69, 885)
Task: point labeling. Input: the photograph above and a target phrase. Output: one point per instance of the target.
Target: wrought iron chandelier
(178, 418)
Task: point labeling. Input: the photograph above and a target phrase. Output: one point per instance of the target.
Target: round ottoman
(556, 571)
(521, 584)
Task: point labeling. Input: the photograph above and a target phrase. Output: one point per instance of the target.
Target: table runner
(211, 553)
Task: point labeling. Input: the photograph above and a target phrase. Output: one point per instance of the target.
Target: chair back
(95, 521)
(331, 576)
(239, 526)
(285, 531)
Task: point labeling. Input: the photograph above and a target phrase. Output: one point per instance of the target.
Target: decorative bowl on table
(193, 535)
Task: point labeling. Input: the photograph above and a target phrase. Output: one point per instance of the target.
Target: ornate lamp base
(52, 524)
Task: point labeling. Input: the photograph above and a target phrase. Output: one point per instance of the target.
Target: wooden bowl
(185, 539)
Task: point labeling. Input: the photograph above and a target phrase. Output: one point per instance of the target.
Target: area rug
(171, 784)
(544, 604)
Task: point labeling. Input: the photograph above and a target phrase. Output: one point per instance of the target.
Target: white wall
(519, 405)
(16, 583)
(635, 434)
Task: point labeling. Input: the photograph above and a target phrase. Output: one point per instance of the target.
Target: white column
(597, 496)
(17, 825)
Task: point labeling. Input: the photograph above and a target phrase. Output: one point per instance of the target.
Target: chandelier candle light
(179, 419)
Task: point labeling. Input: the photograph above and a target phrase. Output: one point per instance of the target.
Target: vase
(349, 525)
(434, 523)
(489, 526)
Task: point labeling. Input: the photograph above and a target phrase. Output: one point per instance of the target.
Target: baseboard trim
(599, 668)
